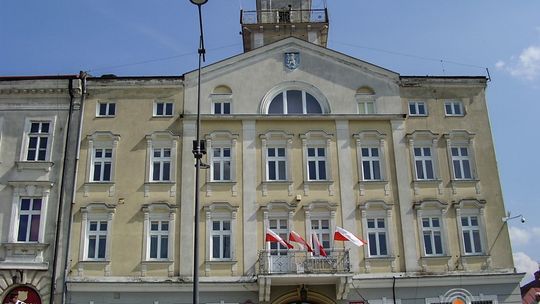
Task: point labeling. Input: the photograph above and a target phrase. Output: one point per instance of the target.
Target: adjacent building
(39, 119)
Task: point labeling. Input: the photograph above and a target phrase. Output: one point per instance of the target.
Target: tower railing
(284, 16)
(301, 261)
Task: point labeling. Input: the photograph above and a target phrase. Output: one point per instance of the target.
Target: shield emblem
(292, 60)
(23, 295)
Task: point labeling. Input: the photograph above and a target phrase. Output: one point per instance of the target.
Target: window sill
(160, 183)
(381, 258)
(436, 257)
(373, 181)
(163, 116)
(90, 183)
(221, 261)
(96, 262)
(34, 165)
(25, 248)
(465, 181)
(418, 115)
(105, 116)
(221, 182)
(278, 182)
(475, 255)
(157, 262)
(319, 182)
(427, 181)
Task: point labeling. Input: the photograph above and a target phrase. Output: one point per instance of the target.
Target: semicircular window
(294, 102)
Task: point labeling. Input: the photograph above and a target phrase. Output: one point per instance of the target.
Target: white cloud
(524, 263)
(526, 65)
(521, 236)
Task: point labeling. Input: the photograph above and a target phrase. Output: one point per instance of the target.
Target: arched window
(291, 102)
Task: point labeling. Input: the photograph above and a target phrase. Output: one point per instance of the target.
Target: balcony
(283, 16)
(302, 262)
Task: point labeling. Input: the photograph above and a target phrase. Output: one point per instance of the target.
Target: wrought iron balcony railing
(284, 16)
(299, 261)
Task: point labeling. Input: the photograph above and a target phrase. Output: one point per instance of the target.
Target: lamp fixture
(198, 2)
(508, 217)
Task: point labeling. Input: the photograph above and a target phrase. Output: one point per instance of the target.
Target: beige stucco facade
(249, 201)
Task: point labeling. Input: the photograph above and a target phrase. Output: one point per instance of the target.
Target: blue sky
(415, 37)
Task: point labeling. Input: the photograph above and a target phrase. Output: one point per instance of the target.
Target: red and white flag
(318, 246)
(295, 237)
(271, 236)
(344, 235)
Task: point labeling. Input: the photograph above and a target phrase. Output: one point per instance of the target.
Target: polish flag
(318, 246)
(344, 235)
(295, 237)
(271, 236)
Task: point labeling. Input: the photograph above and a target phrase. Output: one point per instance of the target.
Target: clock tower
(274, 20)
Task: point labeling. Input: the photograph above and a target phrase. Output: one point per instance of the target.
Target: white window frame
(424, 160)
(222, 161)
(461, 139)
(432, 209)
(461, 159)
(161, 161)
(276, 139)
(220, 212)
(469, 208)
(221, 99)
(102, 161)
(320, 211)
(373, 210)
(295, 85)
(159, 212)
(164, 104)
(304, 102)
(366, 104)
(316, 224)
(424, 139)
(107, 109)
(101, 140)
(221, 139)
(96, 212)
(27, 133)
(23, 190)
(452, 104)
(30, 213)
(316, 140)
(371, 140)
(417, 105)
(161, 140)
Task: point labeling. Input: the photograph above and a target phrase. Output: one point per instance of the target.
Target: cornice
(34, 91)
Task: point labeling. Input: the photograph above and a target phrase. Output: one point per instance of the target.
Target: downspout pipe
(58, 221)
(83, 76)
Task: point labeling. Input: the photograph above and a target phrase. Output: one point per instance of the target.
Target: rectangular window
(222, 107)
(276, 166)
(38, 141)
(366, 107)
(279, 226)
(221, 164)
(159, 239)
(321, 227)
(470, 227)
(371, 163)
(461, 163)
(106, 109)
(97, 239)
(101, 165)
(377, 237)
(453, 108)
(423, 161)
(221, 239)
(316, 160)
(29, 220)
(417, 108)
(161, 164)
(162, 108)
(431, 230)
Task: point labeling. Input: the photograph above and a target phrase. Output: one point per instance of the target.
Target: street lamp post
(198, 151)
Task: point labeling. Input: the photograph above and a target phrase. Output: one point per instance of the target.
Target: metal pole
(197, 153)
